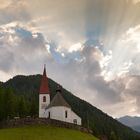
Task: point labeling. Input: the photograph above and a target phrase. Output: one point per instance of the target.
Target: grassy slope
(43, 133)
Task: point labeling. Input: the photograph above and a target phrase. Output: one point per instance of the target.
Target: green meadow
(42, 132)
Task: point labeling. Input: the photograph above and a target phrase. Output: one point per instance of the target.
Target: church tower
(44, 95)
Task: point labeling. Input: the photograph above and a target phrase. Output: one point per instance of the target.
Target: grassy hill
(42, 132)
(95, 119)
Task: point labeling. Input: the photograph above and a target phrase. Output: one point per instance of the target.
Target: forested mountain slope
(24, 90)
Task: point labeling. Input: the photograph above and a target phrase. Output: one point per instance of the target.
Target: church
(57, 108)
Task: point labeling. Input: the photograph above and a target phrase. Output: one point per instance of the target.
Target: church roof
(58, 100)
(44, 88)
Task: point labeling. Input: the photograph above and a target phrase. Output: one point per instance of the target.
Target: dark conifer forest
(19, 98)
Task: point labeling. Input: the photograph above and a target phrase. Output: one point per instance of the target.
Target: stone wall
(18, 122)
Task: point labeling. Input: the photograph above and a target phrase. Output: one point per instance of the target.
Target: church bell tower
(44, 95)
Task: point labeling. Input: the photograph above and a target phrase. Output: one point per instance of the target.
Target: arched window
(75, 121)
(44, 98)
(49, 115)
(66, 114)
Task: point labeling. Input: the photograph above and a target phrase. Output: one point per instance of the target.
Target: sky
(90, 47)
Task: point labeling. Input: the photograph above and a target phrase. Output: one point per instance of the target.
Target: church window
(49, 114)
(75, 121)
(66, 114)
(44, 98)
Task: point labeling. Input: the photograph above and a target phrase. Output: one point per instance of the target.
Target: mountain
(136, 128)
(133, 122)
(93, 118)
(38, 132)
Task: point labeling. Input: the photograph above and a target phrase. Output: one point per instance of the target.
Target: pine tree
(1, 104)
(22, 111)
(9, 104)
(33, 108)
(113, 136)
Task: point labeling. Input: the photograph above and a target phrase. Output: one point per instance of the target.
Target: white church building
(57, 108)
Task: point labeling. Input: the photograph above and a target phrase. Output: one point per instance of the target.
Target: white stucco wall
(58, 113)
(75, 116)
(43, 105)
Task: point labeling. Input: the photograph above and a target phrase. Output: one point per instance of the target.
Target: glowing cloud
(76, 47)
(123, 55)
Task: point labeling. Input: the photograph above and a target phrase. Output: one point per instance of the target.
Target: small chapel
(57, 108)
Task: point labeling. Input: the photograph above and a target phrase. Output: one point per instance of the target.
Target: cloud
(14, 10)
(136, 1)
(6, 55)
(20, 48)
(4, 3)
(25, 51)
(131, 91)
(86, 75)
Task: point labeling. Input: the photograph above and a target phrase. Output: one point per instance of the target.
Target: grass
(42, 132)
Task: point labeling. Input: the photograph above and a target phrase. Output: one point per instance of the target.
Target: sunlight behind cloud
(123, 55)
(136, 1)
(75, 47)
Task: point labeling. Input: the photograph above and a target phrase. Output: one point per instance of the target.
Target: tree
(1, 104)
(33, 108)
(113, 136)
(22, 107)
(8, 104)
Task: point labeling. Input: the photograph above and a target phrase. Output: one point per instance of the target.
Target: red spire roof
(44, 88)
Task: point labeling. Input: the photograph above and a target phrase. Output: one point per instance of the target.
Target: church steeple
(44, 72)
(44, 88)
(44, 94)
